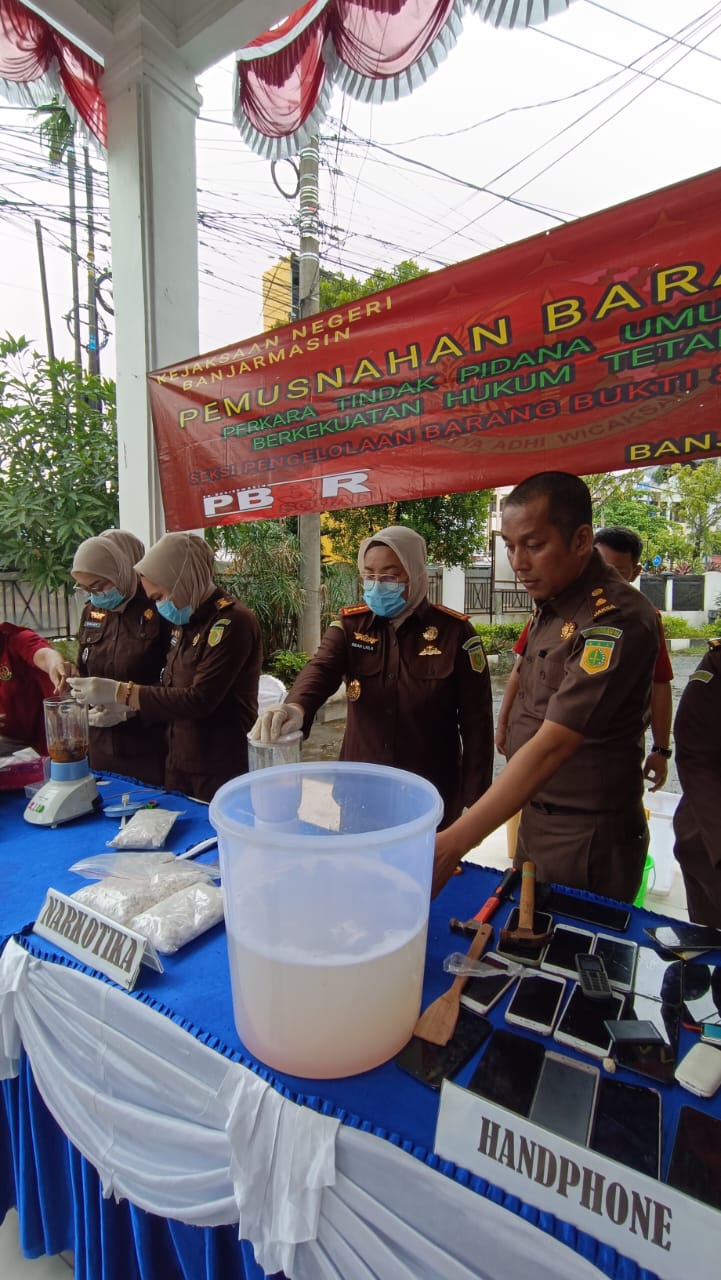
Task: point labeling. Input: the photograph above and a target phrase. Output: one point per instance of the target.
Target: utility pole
(44, 290)
(93, 335)
(309, 525)
(74, 257)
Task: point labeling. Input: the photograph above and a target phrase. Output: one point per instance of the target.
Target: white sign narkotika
(98, 942)
(656, 1226)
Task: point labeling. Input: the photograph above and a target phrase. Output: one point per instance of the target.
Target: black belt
(551, 809)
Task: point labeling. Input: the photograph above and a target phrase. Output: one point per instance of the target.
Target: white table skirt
(182, 1132)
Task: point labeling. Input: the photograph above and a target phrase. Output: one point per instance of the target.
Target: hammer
(522, 942)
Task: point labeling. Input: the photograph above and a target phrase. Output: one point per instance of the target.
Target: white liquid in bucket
(327, 976)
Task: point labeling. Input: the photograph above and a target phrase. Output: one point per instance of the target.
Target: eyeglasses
(384, 577)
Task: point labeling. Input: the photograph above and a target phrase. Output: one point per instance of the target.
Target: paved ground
(325, 739)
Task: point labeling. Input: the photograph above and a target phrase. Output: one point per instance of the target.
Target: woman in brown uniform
(209, 693)
(122, 636)
(416, 679)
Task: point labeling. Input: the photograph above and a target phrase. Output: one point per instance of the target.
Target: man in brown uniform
(575, 732)
(209, 692)
(697, 820)
(416, 681)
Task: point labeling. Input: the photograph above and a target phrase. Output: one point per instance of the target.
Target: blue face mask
(171, 613)
(386, 599)
(107, 599)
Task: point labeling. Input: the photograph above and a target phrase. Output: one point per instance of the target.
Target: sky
(517, 132)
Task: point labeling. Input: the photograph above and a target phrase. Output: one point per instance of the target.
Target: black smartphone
(566, 943)
(655, 1061)
(695, 1165)
(602, 914)
(582, 1024)
(701, 993)
(434, 1063)
(657, 976)
(619, 958)
(634, 1031)
(627, 1125)
(565, 1097)
(686, 937)
(508, 1071)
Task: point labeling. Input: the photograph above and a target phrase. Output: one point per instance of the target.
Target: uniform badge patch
(353, 690)
(596, 656)
(605, 633)
(363, 636)
(477, 658)
(5, 672)
(430, 633)
(216, 632)
(567, 630)
(430, 651)
(704, 676)
(148, 613)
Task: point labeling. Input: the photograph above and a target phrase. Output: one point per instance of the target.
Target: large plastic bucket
(326, 872)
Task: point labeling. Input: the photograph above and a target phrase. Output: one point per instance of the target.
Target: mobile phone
(627, 1125)
(603, 914)
(655, 1061)
(480, 994)
(685, 937)
(695, 1165)
(536, 1001)
(633, 1031)
(530, 955)
(657, 976)
(700, 1070)
(701, 993)
(565, 1097)
(582, 1024)
(711, 1033)
(567, 942)
(619, 958)
(592, 977)
(434, 1063)
(508, 1071)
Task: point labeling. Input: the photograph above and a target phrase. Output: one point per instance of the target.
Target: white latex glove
(106, 717)
(93, 691)
(275, 721)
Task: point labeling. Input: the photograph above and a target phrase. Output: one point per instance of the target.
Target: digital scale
(70, 791)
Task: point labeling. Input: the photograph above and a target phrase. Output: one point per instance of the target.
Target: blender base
(61, 801)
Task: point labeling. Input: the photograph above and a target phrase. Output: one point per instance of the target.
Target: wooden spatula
(438, 1022)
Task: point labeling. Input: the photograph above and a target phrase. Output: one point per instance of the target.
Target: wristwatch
(666, 752)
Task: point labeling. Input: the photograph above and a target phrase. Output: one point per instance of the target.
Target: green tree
(58, 462)
(699, 488)
(453, 525)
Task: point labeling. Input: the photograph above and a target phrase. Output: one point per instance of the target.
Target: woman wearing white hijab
(208, 698)
(122, 637)
(416, 678)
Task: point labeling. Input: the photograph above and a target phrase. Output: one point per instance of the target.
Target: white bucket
(661, 806)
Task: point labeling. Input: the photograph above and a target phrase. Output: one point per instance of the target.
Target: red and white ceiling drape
(38, 64)
(374, 50)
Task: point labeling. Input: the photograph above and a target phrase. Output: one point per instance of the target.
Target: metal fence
(50, 613)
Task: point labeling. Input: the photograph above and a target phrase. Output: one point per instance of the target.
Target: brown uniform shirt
(130, 644)
(419, 697)
(209, 696)
(588, 665)
(697, 820)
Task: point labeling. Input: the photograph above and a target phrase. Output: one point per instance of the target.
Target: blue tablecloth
(194, 991)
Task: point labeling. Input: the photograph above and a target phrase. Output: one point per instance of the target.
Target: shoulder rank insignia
(597, 591)
(703, 676)
(567, 630)
(596, 656)
(453, 612)
(223, 603)
(215, 635)
(351, 609)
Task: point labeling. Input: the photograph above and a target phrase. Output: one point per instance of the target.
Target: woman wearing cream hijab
(416, 679)
(208, 698)
(120, 637)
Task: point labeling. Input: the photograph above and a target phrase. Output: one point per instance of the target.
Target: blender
(70, 791)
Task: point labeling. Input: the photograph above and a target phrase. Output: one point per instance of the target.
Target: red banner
(593, 347)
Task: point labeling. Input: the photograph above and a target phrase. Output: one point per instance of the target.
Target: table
(151, 1098)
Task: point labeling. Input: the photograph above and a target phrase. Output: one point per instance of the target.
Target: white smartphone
(480, 994)
(535, 1002)
(566, 943)
(582, 1023)
(700, 1070)
(619, 958)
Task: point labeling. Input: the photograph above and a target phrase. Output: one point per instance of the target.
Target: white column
(152, 104)
(453, 588)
